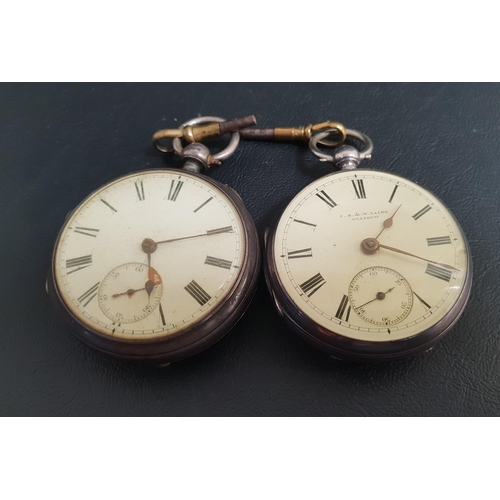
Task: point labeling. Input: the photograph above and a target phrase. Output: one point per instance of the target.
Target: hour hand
(149, 287)
(388, 222)
(153, 279)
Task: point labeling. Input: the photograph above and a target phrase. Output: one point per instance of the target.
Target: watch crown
(197, 157)
(346, 157)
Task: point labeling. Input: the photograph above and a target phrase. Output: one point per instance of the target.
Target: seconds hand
(379, 296)
(129, 292)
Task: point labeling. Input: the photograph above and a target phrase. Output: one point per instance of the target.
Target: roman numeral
(197, 293)
(227, 229)
(439, 240)
(313, 284)
(342, 309)
(79, 263)
(203, 204)
(423, 302)
(140, 190)
(421, 212)
(324, 197)
(87, 231)
(175, 188)
(299, 254)
(214, 261)
(88, 295)
(393, 193)
(304, 222)
(359, 189)
(108, 205)
(438, 272)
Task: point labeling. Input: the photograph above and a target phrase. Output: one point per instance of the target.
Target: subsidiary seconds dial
(130, 292)
(380, 296)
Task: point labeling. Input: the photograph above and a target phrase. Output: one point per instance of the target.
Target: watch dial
(370, 256)
(101, 264)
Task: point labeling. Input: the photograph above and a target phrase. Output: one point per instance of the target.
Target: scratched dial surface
(344, 286)
(102, 272)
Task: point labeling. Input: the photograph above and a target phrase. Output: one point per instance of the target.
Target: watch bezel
(196, 337)
(340, 346)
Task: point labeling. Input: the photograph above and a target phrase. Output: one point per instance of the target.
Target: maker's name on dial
(365, 215)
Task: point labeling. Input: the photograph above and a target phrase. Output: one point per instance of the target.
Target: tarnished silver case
(195, 338)
(341, 347)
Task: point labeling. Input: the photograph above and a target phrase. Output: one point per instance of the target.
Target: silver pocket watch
(365, 264)
(159, 264)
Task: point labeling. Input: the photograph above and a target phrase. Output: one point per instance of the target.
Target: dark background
(60, 142)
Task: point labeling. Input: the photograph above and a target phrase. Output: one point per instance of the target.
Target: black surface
(60, 142)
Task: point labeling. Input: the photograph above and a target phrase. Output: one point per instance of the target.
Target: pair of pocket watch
(160, 264)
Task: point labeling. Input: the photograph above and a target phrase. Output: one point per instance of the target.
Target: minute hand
(210, 232)
(447, 266)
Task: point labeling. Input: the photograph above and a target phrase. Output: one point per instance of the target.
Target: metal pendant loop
(346, 157)
(222, 155)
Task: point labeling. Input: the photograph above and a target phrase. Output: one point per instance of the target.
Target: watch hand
(129, 292)
(379, 296)
(149, 246)
(422, 301)
(447, 266)
(388, 222)
(210, 232)
(149, 287)
(149, 284)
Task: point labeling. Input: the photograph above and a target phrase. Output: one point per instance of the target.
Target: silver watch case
(198, 336)
(341, 347)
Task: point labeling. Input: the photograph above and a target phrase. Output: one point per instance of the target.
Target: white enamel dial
(103, 274)
(352, 235)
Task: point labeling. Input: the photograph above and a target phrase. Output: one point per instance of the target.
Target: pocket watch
(157, 265)
(365, 264)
